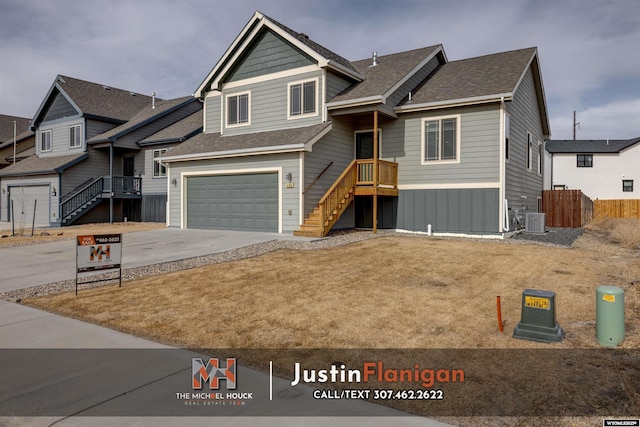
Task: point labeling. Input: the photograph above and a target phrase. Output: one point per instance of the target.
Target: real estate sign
(98, 252)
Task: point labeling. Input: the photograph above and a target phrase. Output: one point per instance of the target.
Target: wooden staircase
(356, 179)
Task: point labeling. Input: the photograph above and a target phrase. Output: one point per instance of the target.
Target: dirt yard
(388, 292)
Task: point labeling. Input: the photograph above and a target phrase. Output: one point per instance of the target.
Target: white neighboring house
(602, 169)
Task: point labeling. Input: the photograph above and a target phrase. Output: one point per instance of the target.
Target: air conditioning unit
(534, 223)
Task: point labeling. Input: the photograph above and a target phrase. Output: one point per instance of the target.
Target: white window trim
(302, 115)
(49, 131)
(160, 152)
(226, 109)
(79, 127)
(422, 140)
(529, 148)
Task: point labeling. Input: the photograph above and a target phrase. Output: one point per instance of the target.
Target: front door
(364, 145)
(128, 166)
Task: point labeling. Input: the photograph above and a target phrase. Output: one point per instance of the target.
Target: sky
(589, 50)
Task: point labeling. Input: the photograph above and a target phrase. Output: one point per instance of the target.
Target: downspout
(111, 183)
(375, 171)
(60, 198)
(504, 209)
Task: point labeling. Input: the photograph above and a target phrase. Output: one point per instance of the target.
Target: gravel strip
(555, 237)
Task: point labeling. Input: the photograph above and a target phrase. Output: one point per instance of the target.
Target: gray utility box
(535, 222)
(538, 319)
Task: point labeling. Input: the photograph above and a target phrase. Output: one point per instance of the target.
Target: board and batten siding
(270, 54)
(479, 148)
(286, 163)
(523, 186)
(60, 137)
(268, 105)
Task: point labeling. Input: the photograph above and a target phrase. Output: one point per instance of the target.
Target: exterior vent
(535, 223)
(106, 88)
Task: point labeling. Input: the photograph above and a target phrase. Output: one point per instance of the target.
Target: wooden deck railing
(387, 172)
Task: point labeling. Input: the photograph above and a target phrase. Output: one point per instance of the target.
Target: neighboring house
(87, 166)
(24, 139)
(299, 139)
(602, 169)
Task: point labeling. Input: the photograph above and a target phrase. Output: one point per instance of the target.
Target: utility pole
(575, 125)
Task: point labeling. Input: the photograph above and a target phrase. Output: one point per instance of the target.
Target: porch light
(174, 182)
(289, 176)
(53, 192)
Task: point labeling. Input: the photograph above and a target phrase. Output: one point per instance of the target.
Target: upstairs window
(159, 168)
(238, 109)
(627, 185)
(302, 99)
(440, 139)
(75, 138)
(45, 140)
(585, 160)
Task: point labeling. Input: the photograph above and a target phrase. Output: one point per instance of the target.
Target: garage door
(247, 202)
(23, 203)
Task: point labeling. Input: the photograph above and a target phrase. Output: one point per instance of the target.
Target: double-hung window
(159, 169)
(75, 138)
(45, 140)
(302, 99)
(440, 139)
(584, 160)
(238, 109)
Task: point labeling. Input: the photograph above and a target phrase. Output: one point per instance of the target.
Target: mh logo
(98, 253)
(213, 372)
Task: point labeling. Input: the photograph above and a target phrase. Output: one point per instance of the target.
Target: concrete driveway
(26, 266)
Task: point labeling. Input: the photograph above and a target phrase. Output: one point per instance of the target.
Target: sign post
(98, 253)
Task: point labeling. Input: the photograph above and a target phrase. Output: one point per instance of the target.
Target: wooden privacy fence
(628, 208)
(566, 208)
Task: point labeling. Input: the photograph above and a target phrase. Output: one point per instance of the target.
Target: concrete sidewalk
(33, 265)
(27, 328)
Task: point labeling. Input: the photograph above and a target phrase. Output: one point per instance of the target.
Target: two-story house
(88, 166)
(602, 169)
(299, 139)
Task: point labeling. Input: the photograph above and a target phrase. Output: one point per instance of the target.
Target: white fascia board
(455, 103)
(236, 153)
(410, 74)
(231, 48)
(355, 102)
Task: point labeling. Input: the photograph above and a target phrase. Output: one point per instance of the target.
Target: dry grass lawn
(388, 292)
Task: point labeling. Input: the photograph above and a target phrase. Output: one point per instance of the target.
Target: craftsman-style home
(298, 139)
(94, 159)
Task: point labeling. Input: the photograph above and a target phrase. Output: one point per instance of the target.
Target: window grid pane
(448, 139)
(433, 140)
(296, 100)
(243, 107)
(309, 97)
(232, 107)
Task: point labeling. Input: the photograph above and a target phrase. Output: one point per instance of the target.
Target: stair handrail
(70, 194)
(331, 195)
(317, 178)
(81, 197)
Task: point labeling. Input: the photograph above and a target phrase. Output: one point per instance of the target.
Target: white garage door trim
(183, 193)
(42, 204)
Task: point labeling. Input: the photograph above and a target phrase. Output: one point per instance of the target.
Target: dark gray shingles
(41, 165)
(474, 77)
(178, 131)
(390, 70)
(103, 101)
(6, 127)
(589, 145)
(214, 142)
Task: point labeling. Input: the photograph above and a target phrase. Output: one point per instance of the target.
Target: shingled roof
(589, 145)
(6, 127)
(488, 75)
(95, 100)
(42, 165)
(177, 132)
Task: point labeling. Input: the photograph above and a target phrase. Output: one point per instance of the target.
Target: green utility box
(609, 315)
(538, 319)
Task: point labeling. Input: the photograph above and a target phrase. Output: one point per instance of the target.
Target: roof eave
(411, 73)
(359, 102)
(235, 153)
(485, 99)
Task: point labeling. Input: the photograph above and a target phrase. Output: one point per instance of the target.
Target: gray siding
(59, 137)
(144, 167)
(268, 105)
(289, 162)
(335, 85)
(413, 82)
(97, 164)
(449, 210)
(154, 207)
(479, 148)
(60, 108)
(96, 127)
(336, 147)
(525, 117)
(270, 54)
(212, 114)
